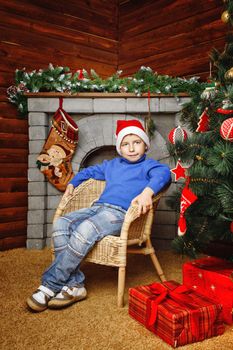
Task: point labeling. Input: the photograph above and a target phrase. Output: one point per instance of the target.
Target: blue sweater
(124, 179)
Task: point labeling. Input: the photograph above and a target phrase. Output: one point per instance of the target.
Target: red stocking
(54, 160)
(187, 198)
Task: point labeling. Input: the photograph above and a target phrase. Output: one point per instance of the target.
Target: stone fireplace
(95, 115)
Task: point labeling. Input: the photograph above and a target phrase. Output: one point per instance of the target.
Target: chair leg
(156, 262)
(158, 267)
(121, 286)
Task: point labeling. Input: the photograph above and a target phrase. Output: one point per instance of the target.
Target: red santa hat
(126, 127)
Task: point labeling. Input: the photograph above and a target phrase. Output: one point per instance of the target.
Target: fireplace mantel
(96, 115)
(98, 94)
(90, 102)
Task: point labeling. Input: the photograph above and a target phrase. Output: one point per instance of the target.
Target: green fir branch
(225, 196)
(221, 158)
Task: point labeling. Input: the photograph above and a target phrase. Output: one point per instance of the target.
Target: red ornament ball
(177, 134)
(226, 130)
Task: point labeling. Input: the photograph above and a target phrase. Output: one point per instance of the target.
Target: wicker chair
(112, 250)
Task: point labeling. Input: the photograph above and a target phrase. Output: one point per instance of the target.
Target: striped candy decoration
(177, 134)
(226, 130)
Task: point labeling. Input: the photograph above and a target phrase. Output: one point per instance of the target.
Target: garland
(61, 79)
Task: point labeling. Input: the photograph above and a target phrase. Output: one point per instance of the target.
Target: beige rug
(93, 324)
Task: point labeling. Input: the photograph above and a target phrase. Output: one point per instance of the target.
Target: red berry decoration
(226, 130)
(177, 134)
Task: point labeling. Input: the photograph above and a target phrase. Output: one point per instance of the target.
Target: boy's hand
(144, 200)
(69, 190)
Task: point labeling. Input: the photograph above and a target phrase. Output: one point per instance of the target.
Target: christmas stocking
(54, 160)
(187, 198)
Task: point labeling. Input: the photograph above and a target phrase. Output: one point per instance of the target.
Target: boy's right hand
(144, 201)
(69, 190)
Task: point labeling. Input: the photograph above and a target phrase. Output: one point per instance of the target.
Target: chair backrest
(83, 196)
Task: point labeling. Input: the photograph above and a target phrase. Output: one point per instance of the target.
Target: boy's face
(132, 147)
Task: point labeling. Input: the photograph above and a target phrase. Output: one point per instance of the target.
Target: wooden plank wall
(171, 37)
(33, 34)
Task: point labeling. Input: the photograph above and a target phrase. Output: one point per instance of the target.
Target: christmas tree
(205, 158)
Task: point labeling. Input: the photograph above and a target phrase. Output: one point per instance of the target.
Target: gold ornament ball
(225, 16)
(229, 74)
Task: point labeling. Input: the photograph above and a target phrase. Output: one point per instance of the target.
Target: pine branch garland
(60, 79)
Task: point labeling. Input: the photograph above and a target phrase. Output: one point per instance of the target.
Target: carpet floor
(92, 324)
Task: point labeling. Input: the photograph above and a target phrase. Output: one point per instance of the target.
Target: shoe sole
(35, 306)
(61, 303)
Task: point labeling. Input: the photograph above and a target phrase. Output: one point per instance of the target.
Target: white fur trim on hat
(131, 130)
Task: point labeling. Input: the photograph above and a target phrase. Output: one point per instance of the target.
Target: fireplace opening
(97, 155)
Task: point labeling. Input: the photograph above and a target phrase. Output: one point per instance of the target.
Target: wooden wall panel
(77, 34)
(172, 37)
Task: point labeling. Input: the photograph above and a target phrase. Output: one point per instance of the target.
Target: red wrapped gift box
(175, 313)
(212, 277)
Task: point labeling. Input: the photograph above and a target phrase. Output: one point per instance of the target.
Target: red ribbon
(160, 293)
(148, 99)
(80, 76)
(60, 102)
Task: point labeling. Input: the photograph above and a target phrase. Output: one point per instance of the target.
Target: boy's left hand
(144, 200)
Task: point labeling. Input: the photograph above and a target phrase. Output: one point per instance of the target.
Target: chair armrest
(132, 214)
(62, 205)
(82, 197)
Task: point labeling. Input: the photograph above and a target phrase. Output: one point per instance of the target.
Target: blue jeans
(73, 236)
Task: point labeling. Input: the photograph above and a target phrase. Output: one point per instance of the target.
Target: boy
(130, 179)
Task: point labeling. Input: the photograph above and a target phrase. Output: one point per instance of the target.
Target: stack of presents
(191, 312)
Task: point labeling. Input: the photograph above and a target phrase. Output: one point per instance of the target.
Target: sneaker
(39, 300)
(67, 296)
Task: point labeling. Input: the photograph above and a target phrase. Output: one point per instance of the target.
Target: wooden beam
(14, 242)
(14, 199)
(95, 95)
(14, 185)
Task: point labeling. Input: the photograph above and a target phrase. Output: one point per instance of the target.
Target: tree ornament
(187, 198)
(227, 104)
(225, 17)
(203, 124)
(209, 92)
(229, 74)
(177, 134)
(224, 111)
(179, 171)
(226, 130)
(54, 160)
(231, 227)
